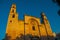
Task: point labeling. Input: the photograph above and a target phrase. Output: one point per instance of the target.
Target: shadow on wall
(29, 37)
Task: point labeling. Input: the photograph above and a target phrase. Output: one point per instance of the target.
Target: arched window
(13, 16)
(13, 7)
(13, 11)
(33, 27)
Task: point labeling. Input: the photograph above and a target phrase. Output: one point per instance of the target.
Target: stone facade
(31, 28)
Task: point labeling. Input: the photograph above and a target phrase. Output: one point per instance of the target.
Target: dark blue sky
(30, 7)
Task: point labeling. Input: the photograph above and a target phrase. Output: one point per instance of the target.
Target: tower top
(13, 8)
(13, 5)
(42, 14)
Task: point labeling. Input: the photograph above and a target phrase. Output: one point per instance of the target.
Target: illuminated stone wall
(28, 28)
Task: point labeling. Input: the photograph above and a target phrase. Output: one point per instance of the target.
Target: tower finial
(42, 14)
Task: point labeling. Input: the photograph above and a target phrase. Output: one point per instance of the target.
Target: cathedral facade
(31, 28)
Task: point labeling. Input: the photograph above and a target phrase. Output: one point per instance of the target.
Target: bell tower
(47, 26)
(12, 22)
(13, 14)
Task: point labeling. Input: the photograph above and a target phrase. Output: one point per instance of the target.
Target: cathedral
(31, 28)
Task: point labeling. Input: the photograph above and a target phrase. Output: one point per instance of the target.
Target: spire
(13, 8)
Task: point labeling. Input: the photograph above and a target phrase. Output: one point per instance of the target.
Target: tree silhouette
(20, 38)
(59, 12)
(54, 1)
(7, 37)
(57, 1)
(58, 36)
